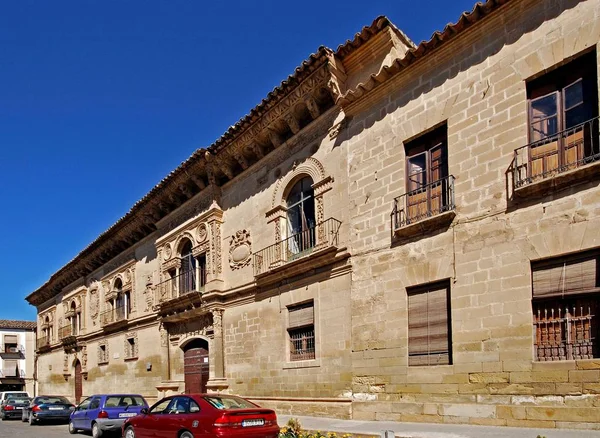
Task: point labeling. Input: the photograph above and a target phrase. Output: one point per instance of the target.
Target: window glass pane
(295, 194)
(294, 220)
(417, 175)
(543, 129)
(194, 407)
(543, 107)
(576, 116)
(573, 94)
(160, 407)
(229, 402)
(309, 214)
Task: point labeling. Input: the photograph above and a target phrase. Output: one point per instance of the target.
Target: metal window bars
(116, 314)
(188, 281)
(302, 343)
(564, 333)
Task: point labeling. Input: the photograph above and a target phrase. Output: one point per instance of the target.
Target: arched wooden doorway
(195, 354)
(78, 382)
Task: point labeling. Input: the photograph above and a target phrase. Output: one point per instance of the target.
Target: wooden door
(196, 369)
(78, 382)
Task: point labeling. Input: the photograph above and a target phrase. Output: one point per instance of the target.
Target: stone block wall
(477, 86)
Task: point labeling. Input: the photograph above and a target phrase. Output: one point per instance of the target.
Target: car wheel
(31, 420)
(96, 431)
(72, 429)
(186, 434)
(129, 432)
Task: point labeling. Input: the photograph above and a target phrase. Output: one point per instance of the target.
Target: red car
(203, 416)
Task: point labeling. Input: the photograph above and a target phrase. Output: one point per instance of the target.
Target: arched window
(301, 216)
(122, 302)
(191, 275)
(47, 330)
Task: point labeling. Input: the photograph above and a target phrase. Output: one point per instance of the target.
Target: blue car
(105, 413)
(47, 407)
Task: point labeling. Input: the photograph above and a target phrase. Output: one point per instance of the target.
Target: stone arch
(310, 167)
(191, 339)
(186, 235)
(114, 281)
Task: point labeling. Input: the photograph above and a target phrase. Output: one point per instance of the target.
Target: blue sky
(99, 100)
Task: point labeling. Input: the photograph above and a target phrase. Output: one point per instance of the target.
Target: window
(11, 344)
(102, 354)
(559, 103)
(130, 348)
(192, 272)
(301, 331)
(84, 404)
(10, 368)
(95, 404)
(429, 332)
(565, 305)
(301, 216)
(161, 407)
(427, 188)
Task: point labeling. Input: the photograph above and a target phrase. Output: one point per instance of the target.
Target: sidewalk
(424, 430)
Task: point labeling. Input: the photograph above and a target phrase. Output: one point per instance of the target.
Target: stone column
(218, 382)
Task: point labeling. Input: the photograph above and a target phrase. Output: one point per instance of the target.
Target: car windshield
(124, 401)
(229, 402)
(17, 395)
(17, 401)
(51, 400)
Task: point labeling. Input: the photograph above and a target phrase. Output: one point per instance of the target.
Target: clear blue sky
(99, 100)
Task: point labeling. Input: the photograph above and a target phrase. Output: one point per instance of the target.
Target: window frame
(427, 289)
(310, 326)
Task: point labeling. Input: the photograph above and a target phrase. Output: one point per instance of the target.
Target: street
(18, 429)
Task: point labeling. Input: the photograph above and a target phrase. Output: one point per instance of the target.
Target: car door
(149, 425)
(80, 412)
(92, 412)
(192, 418)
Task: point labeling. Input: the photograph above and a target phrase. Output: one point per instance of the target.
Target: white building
(17, 353)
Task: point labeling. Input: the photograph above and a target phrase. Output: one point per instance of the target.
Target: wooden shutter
(301, 316)
(10, 368)
(566, 277)
(428, 332)
(10, 339)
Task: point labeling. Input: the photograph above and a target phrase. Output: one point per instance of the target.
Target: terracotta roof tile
(17, 325)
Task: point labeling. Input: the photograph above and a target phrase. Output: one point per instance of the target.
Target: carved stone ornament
(168, 251)
(240, 249)
(94, 304)
(201, 232)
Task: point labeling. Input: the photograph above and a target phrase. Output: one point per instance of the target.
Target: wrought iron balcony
(189, 281)
(111, 316)
(66, 331)
(321, 236)
(557, 154)
(427, 202)
(43, 342)
(12, 349)
(12, 372)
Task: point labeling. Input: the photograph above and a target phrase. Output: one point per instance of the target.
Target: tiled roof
(17, 325)
(466, 20)
(367, 33)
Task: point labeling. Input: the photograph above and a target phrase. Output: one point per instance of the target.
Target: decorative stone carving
(217, 315)
(149, 293)
(103, 356)
(164, 335)
(131, 351)
(94, 304)
(201, 232)
(311, 167)
(240, 249)
(84, 358)
(167, 251)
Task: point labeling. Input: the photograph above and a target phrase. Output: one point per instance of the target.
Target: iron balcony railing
(12, 372)
(558, 153)
(66, 331)
(43, 341)
(425, 202)
(319, 236)
(12, 349)
(116, 314)
(188, 281)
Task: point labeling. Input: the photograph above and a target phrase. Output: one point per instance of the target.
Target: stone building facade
(17, 355)
(397, 232)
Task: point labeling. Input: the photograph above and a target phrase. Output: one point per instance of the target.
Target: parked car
(6, 394)
(203, 416)
(105, 412)
(13, 406)
(47, 407)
